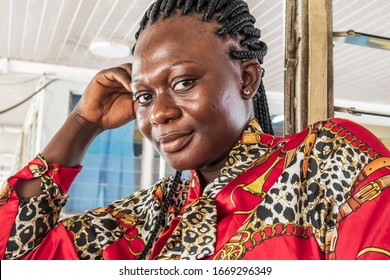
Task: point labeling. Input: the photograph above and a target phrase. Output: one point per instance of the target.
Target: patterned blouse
(319, 194)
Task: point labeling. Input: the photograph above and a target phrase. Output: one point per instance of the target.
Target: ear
(250, 77)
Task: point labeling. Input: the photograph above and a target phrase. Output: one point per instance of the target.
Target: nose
(164, 110)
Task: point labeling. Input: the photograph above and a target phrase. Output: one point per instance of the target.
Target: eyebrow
(170, 66)
(180, 62)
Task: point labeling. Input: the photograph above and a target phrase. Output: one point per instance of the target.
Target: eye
(183, 85)
(143, 98)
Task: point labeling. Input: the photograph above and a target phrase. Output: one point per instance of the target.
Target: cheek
(217, 101)
(227, 94)
(227, 104)
(143, 124)
(230, 111)
(205, 113)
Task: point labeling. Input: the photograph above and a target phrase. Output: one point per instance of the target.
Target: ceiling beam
(53, 71)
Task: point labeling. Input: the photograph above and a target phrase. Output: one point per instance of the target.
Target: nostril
(164, 110)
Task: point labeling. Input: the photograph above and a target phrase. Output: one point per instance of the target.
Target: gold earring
(247, 91)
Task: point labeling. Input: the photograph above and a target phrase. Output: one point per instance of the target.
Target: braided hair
(236, 21)
(161, 218)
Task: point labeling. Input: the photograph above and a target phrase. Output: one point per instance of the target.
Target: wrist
(69, 145)
(84, 127)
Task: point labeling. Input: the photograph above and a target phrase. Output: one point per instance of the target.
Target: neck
(210, 172)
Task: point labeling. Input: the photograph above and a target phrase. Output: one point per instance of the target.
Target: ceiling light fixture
(109, 49)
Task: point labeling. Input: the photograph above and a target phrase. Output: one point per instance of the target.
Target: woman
(194, 88)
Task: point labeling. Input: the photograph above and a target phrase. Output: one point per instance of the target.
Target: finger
(119, 75)
(128, 68)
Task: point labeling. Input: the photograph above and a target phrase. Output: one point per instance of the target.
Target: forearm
(67, 148)
(26, 221)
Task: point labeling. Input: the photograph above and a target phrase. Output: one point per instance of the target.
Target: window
(108, 169)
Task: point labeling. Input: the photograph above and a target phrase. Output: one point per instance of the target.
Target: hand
(107, 101)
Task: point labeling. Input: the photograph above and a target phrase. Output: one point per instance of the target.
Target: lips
(174, 141)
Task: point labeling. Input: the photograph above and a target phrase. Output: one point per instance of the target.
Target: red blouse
(319, 194)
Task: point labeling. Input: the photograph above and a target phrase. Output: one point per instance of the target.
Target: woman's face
(188, 92)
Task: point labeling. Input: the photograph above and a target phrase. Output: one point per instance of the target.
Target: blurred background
(49, 50)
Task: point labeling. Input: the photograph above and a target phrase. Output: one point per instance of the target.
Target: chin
(179, 163)
(179, 166)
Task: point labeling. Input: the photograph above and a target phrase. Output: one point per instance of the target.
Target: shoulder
(333, 151)
(352, 133)
(151, 198)
(341, 130)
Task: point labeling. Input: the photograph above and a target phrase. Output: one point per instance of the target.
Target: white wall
(56, 107)
(47, 112)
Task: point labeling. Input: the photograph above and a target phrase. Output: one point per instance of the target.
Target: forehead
(184, 37)
(181, 28)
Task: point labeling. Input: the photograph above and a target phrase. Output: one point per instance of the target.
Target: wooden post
(329, 8)
(290, 65)
(308, 63)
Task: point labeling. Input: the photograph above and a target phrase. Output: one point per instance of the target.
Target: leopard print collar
(195, 235)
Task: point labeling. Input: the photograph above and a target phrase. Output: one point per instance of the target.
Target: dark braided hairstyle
(236, 21)
(161, 218)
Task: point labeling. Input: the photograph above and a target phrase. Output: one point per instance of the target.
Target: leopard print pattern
(195, 236)
(36, 216)
(94, 230)
(310, 201)
(85, 237)
(246, 153)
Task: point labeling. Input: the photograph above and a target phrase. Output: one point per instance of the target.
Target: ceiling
(37, 35)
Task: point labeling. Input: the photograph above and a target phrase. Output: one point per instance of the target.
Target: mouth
(174, 142)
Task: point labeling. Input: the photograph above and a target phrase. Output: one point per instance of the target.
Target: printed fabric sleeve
(362, 227)
(25, 222)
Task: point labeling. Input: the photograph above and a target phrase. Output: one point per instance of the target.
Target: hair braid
(168, 7)
(237, 23)
(167, 201)
(200, 6)
(250, 42)
(231, 10)
(235, 18)
(210, 10)
(263, 113)
(240, 10)
(155, 10)
(187, 6)
(251, 31)
(163, 4)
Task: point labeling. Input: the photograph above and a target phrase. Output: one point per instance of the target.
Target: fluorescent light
(109, 49)
(10, 129)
